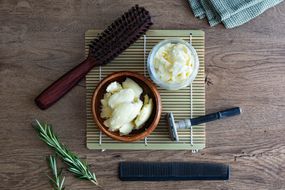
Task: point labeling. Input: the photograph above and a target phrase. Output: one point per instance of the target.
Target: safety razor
(187, 123)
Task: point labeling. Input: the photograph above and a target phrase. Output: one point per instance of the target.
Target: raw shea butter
(122, 107)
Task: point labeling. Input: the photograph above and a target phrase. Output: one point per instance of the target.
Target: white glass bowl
(172, 86)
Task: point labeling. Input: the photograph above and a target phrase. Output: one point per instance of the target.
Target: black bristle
(120, 34)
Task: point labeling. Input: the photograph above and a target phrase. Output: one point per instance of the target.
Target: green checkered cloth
(231, 13)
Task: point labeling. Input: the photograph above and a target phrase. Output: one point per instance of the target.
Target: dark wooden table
(245, 66)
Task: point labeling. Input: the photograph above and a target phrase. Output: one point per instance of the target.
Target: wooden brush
(109, 44)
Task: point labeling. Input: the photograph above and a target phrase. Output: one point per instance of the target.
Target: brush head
(120, 35)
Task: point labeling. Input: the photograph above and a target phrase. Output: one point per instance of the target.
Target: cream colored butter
(173, 63)
(122, 107)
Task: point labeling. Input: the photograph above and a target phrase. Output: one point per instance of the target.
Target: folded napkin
(231, 13)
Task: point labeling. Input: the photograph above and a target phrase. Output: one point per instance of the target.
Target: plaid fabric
(230, 13)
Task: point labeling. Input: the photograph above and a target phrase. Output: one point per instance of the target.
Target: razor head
(172, 127)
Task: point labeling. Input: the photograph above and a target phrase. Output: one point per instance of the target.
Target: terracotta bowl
(148, 88)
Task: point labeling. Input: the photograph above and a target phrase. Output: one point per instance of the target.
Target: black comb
(165, 171)
(109, 44)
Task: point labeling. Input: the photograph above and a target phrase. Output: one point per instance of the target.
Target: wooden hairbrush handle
(64, 84)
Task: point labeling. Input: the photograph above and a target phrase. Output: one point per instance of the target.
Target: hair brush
(109, 44)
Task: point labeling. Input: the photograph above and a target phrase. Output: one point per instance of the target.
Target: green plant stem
(56, 180)
(79, 168)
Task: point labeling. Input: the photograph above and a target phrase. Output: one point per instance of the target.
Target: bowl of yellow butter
(173, 64)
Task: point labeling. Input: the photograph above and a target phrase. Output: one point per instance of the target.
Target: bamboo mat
(184, 103)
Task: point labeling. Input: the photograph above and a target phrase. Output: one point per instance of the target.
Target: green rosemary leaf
(78, 167)
(51, 180)
(61, 184)
(56, 180)
(75, 171)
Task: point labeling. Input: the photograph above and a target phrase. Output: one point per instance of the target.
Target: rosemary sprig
(56, 179)
(79, 168)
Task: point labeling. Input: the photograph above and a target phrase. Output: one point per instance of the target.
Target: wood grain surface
(41, 40)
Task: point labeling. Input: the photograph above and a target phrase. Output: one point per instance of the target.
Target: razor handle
(64, 84)
(187, 123)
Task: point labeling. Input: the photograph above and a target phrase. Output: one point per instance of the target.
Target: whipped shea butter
(173, 64)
